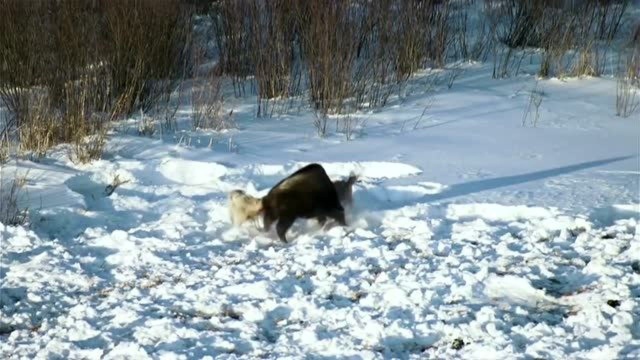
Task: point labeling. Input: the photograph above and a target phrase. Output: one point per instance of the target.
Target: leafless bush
(376, 54)
(632, 63)
(329, 41)
(533, 106)
(11, 194)
(23, 62)
(628, 84)
(320, 121)
(272, 32)
(506, 61)
(453, 74)
(207, 104)
(4, 149)
(148, 50)
(67, 67)
(167, 110)
(40, 126)
(510, 22)
(573, 35)
(515, 22)
(233, 38)
(351, 126)
(91, 147)
(471, 36)
(423, 34)
(627, 98)
(430, 100)
(146, 125)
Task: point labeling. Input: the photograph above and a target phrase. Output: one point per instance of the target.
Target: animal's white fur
(243, 207)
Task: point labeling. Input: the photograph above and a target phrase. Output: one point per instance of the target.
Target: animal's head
(344, 188)
(236, 194)
(244, 207)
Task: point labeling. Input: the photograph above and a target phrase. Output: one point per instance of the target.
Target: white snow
(523, 242)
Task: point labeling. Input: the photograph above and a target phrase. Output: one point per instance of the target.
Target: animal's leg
(321, 220)
(268, 221)
(283, 225)
(232, 217)
(338, 215)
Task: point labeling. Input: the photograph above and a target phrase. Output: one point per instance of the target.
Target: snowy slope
(523, 242)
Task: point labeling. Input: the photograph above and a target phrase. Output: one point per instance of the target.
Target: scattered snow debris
(613, 303)
(457, 344)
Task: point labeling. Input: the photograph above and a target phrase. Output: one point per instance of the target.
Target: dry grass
(70, 67)
(233, 38)
(272, 33)
(11, 196)
(573, 36)
(207, 104)
(628, 84)
(97, 61)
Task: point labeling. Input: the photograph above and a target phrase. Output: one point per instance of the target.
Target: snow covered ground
(472, 237)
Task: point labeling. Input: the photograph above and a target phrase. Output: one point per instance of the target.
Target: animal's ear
(353, 178)
(356, 173)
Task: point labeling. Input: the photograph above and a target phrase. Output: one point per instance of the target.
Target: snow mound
(187, 172)
(372, 169)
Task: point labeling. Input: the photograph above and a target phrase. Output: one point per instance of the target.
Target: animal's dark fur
(344, 188)
(307, 193)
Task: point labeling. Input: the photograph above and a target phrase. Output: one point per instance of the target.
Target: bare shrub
(516, 21)
(510, 22)
(148, 50)
(329, 44)
(320, 121)
(376, 54)
(207, 104)
(632, 64)
(11, 196)
(233, 39)
(23, 61)
(627, 98)
(532, 110)
(5, 148)
(452, 74)
(573, 35)
(423, 34)
(471, 36)
(91, 147)
(272, 32)
(40, 126)
(352, 126)
(167, 111)
(628, 84)
(430, 100)
(506, 61)
(146, 125)
(609, 15)
(67, 67)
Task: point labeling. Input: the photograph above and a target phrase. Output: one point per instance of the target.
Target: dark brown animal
(307, 193)
(344, 188)
(244, 207)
